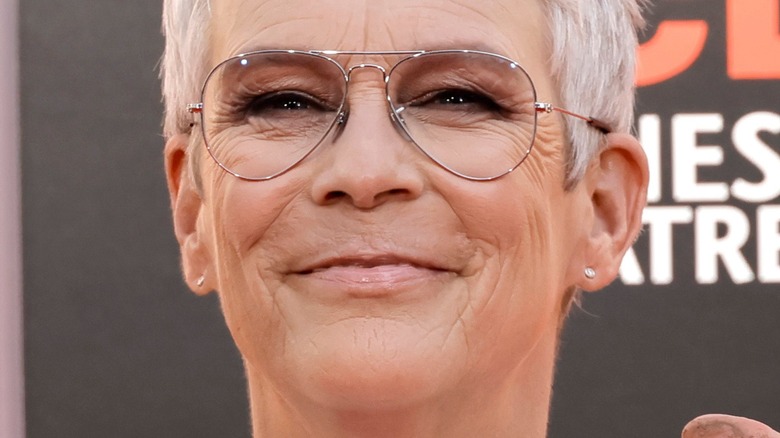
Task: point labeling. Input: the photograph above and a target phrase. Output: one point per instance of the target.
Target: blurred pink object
(727, 426)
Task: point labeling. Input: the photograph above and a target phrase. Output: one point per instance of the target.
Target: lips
(373, 274)
(369, 262)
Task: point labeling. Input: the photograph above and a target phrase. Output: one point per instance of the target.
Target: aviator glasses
(473, 113)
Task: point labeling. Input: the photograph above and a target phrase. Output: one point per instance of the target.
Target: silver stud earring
(590, 273)
(200, 281)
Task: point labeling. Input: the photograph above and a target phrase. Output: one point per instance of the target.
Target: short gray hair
(593, 62)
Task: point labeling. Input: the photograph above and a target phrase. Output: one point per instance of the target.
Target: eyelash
(249, 104)
(269, 101)
(465, 97)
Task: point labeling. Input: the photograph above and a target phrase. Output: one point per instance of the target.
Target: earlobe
(617, 184)
(186, 206)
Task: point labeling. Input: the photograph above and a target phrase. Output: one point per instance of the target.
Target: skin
(727, 426)
(436, 302)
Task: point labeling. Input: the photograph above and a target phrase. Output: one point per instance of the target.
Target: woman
(397, 202)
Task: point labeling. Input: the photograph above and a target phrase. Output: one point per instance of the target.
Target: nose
(367, 163)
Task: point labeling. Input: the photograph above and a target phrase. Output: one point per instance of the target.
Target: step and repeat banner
(693, 326)
(709, 120)
(116, 346)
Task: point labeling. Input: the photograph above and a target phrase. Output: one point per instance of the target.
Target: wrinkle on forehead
(245, 25)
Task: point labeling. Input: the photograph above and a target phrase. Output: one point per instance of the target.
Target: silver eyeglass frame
(395, 113)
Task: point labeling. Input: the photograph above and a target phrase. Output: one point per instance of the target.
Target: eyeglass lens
(472, 113)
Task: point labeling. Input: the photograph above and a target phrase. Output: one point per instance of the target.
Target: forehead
(514, 28)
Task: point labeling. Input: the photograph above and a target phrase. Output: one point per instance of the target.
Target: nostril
(364, 199)
(335, 195)
(398, 191)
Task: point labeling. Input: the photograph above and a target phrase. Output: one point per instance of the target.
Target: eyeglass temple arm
(596, 123)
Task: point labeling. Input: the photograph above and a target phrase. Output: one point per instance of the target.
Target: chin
(375, 364)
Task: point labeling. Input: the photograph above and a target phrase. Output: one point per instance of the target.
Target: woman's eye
(454, 98)
(289, 104)
(284, 101)
(457, 99)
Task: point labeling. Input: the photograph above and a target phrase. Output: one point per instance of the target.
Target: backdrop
(11, 384)
(116, 346)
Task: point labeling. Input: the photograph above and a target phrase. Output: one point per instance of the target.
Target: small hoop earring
(590, 273)
(200, 281)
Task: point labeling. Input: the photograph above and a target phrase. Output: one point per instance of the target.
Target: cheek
(515, 235)
(517, 223)
(245, 216)
(245, 211)
(517, 217)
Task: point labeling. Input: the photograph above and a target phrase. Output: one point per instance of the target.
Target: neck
(516, 405)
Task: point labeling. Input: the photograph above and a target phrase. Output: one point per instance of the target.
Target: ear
(186, 205)
(617, 184)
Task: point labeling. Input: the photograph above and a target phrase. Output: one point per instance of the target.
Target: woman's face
(367, 272)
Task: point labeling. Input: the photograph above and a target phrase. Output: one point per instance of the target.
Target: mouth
(370, 262)
(371, 275)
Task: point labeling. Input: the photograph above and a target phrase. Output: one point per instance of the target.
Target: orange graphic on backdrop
(673, 49)
(753, 39)
(752, 44)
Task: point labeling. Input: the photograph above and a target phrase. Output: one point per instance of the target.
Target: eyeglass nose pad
(399, 123)
(341, 119)
(341, 123)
